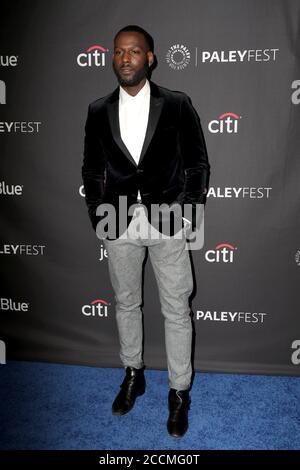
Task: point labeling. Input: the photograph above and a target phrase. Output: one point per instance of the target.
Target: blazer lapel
(156, 104)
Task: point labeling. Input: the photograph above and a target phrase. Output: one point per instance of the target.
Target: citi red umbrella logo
(93, 57)
(222, 253)
(97, 308)
(226, 123)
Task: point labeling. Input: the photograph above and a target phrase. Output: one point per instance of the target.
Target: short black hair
(138, 29)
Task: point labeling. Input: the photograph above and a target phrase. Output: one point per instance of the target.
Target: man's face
(131, 58)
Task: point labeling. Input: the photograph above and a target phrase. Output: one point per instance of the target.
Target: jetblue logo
(8, 60)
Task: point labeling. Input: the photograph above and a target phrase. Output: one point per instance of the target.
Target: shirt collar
(124, 96)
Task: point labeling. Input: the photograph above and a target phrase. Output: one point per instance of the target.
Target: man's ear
(150, 56)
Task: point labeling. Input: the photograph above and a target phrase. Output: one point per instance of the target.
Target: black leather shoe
(132, 386)
(179, 403)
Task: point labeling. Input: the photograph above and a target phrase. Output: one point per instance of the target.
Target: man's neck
(133, 90)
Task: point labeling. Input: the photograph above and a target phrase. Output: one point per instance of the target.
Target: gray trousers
(172, 267)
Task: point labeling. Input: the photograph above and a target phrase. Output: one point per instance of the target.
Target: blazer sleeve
(194, 157)
(93, 168)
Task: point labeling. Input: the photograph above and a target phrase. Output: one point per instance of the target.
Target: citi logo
(178, 57)
(223, 253)
(227, 122)
(94, 56)
(10, 189)
(97, 308)
(12, 305)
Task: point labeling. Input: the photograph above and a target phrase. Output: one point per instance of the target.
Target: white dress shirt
(133, 119)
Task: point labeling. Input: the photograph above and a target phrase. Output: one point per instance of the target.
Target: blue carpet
(51, 406)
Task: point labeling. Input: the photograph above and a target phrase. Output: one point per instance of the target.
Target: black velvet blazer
(173, 165)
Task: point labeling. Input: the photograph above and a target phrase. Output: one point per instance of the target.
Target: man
(145, 142)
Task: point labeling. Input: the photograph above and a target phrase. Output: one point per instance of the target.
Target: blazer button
(139, 171)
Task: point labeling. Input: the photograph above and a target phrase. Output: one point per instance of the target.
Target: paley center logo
(230, 192)
(246, 55)
(243, 192)
(178, 57)
(225, 123)
(23, 250)
(20, 127)
(223, 253)
(231, 317)
(93, 57)
(97, 308)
